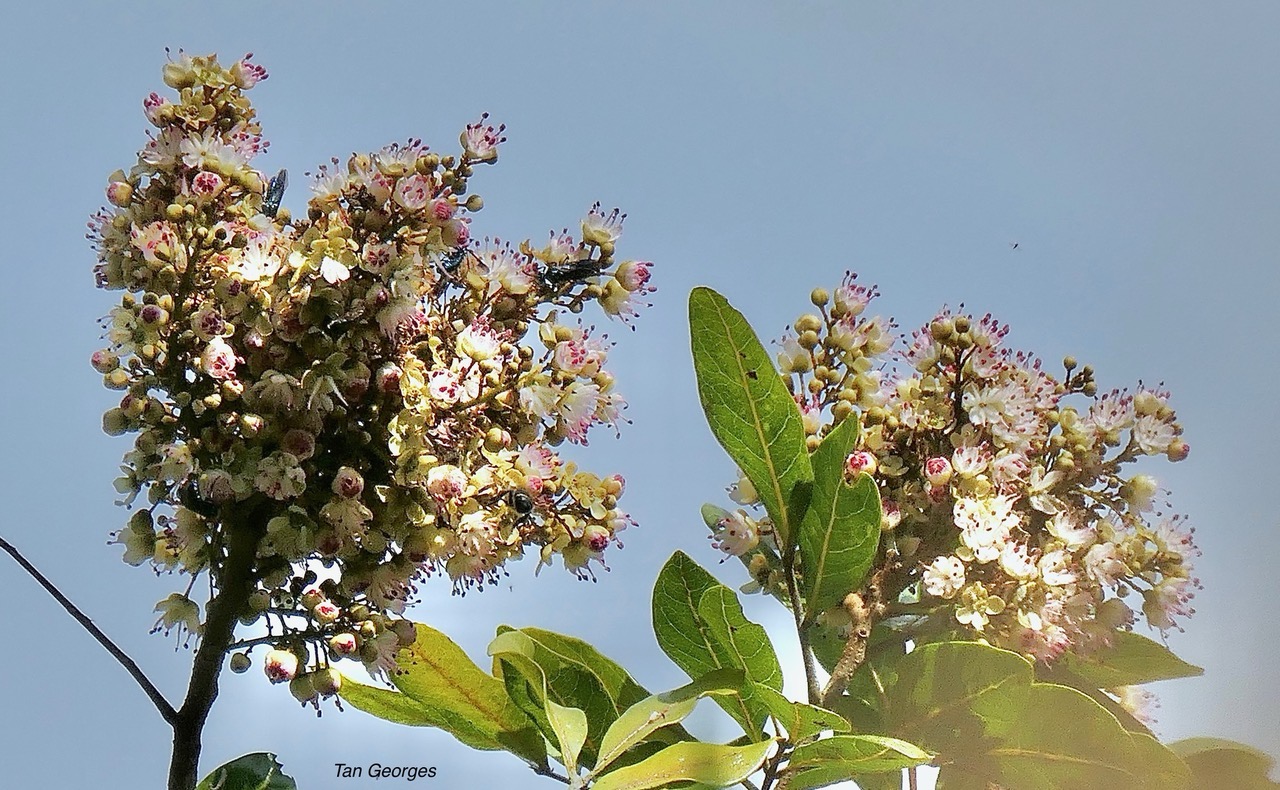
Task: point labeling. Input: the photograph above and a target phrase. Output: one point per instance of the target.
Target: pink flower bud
(344, 644)
(388, 378)
(119, 193)
(348, 483)
(1178, 450)
(326, 612)
(104, 361)
(634, 275)
(280, 666)
(937, 470)
(860, 461)
(597, 537)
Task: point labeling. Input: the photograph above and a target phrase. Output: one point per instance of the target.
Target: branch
(166, 710)
(865, 609)
(235, 582)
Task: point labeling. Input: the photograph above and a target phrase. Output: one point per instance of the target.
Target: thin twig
(166, 710)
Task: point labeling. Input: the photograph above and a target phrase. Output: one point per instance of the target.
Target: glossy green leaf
(441, 687)
(663, 710)
(579, 676)
(709, 764)
(841, 527)
(1132, 660)
(1217, 763)
(800, 720)
(257, 771)
(563, 723)
(947, 693)
(697, 646)
(746, 641)
(1065, 741)
(842, 757)
(570, 728)
(748, 407)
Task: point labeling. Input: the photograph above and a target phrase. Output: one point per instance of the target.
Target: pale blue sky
(760, 148)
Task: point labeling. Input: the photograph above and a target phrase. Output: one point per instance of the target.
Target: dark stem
(911, 778)
(166, 710)
(235, 583)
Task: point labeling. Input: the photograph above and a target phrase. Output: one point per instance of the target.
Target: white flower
(736, 534)
(178, 611)
(985, 524)
(1066, 527)
(1055, 569)
(1103, 564)
(332, 271)
(1015, 562)
(944, 577)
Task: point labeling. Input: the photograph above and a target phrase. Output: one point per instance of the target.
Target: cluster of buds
(373, 392)
(1006, 493)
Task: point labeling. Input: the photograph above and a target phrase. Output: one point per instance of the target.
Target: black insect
(275, 193)
(571, 272)
(521, 502)
(451, 260)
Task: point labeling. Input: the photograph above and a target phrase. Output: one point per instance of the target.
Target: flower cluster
(1005, 489)
(367, 390)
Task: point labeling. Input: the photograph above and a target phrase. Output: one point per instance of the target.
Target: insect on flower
(571, 272)
(275, 193)
(522, 504)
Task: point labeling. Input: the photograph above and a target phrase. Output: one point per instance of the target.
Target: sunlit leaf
(841, 757)
(697, 646)
(662, 710)
(257, 771)
(709, 764)
(800, 720)
(441, 687)
(1132, 660)
(1217, 763)
(841, 528)
(748, 407)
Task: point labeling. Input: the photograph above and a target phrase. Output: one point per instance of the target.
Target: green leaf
(662, 710)
(800, 720)
(257, 771)
(623, 691)
(841, 528)
(709, 764)
(1060, 675)
(700, 640)
(746, 641)
(1132, 660)
(748, 407)
(564, 723)
(843, 757)
(1217, 763)
(579, 676)
(951, 692)
(570, 728)
(441, 687)
(1065, 741)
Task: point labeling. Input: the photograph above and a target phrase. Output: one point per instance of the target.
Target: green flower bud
(115, 422)
(303, 689)
(240, 662)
